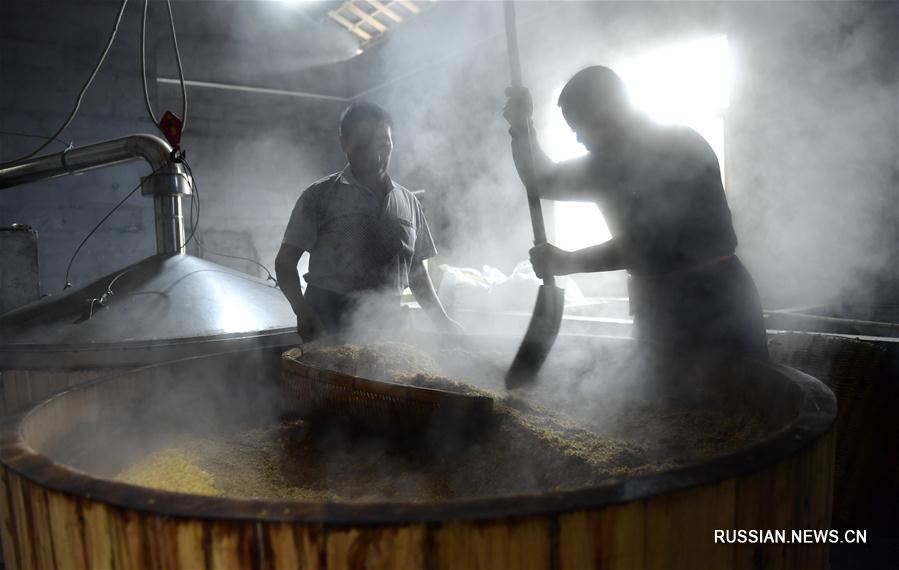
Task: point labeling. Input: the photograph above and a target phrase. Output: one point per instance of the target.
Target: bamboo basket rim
(385, 387)
(814, 420)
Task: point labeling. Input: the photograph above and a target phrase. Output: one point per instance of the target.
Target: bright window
(686, 84)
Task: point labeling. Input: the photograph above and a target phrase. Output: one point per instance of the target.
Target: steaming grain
(523, 448)
(171, 469)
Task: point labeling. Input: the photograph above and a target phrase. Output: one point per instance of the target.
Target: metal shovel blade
(539, 339)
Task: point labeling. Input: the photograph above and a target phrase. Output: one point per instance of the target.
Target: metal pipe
(251, 89)
(153, 149)
(167, 183)
(169, 223)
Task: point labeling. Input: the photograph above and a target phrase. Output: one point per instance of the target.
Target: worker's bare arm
(423, 290)
(308, 323)
(548, 259)
(534, 167)
(552, 181)
(606, 256)
(288, 277)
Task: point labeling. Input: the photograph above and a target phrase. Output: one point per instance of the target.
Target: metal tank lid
(164, 307)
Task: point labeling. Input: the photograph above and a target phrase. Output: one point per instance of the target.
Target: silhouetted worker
(659, 189)
(367, 239)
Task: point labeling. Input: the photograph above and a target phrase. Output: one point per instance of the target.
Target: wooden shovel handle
(515, 74)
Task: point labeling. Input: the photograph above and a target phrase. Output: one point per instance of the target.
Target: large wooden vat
(863, 376)
(57, 516)
(854, 349)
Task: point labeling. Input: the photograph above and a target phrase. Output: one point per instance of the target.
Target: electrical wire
(270, 277)
(96, 227)
(104, 298)
(143, 66)
(202, 248)
(194, 195)
(180, 68)
(67, 144)
(143, 63)
(84, 89)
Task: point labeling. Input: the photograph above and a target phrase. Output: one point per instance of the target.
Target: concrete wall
(47, 50)
(811, 131)
(252, 155)
(813, 141)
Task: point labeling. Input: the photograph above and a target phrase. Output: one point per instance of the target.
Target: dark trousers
(340, 313)
(715, 307)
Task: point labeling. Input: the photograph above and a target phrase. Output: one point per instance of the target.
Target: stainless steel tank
(162, 308)
(167, 306)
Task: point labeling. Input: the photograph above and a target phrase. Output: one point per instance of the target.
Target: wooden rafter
(370, 19)
(366, 17)
(408, 6)
(386, 11)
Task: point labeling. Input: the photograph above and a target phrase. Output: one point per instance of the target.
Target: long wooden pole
(515, 74)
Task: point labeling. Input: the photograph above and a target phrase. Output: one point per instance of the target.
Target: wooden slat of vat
(232, 546)
(55, 422)
(810, 502)
(281, 547)
(68, 533)
(579, 541)
(44, 383)
(23, 388)
(22, 529)
(166, 544)
(7, 522)
(378, 548)
(623, 535)
(129, 549)
(40, 525)
(523, 544)
(795, 494)
(680, 527)
(3, 407)
(611, 538)
(152, 541)
(178, 543)
(799, 555)
(189, 538)
(787, 477)
(15, 391)
(800, 505)
(823, 485)
(754, 510)
(312, 547)
(97, 538)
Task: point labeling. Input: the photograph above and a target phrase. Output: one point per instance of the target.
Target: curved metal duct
(171, 305)
(167, 183)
